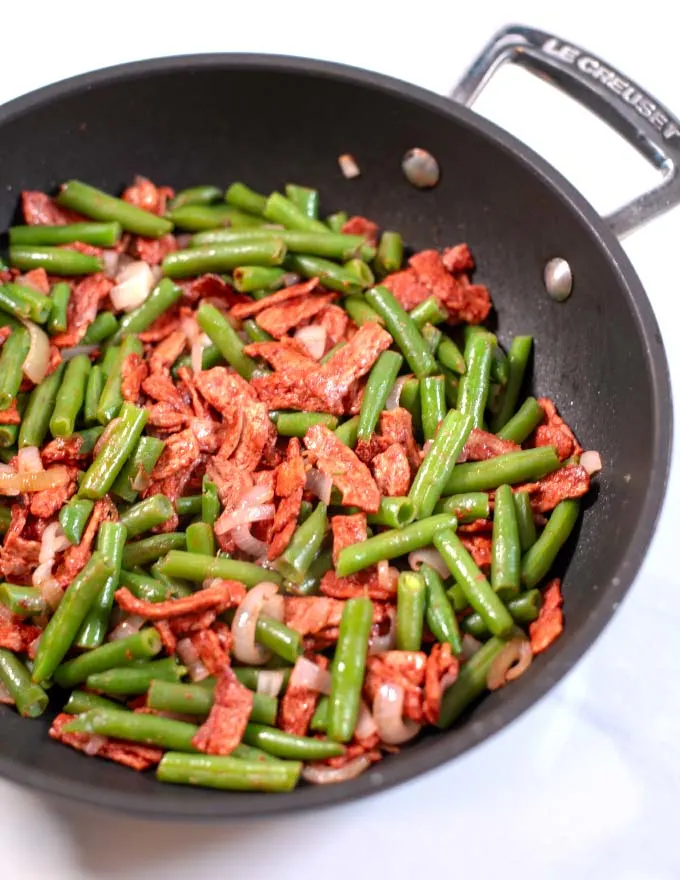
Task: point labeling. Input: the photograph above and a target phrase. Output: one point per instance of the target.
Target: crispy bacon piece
(406, 288)
(232, 483)
(37, 279)
(465, 302)
(130, 754)
(11, 415)
(295, 291)
(82, 308)
(198, 621)
(289, 488)
(162, 388)
(361, 226)
(75, 557)
(224, 727)
(440, 663)
(180, 452)
(476, 527)
(154, 250)
(212, 287)
(391, 471)
(146, 195)
(280, 319)
(310, 615)
(571, 481)
(256, 430)
(363, 583)
(166, 352)
(211, 652)
(299, 703)
(163, 326)
(335, 322)
(458, 259)
(355, 749)
(133, 371)
(219, 596)
(396, 426)
(333, 380)
(223, 388)
(62, 450)
(90, 250)
(47, 502)
(350, 475)
(481, 445)
(479, 547)
(173, 487)
(188, 389)
(556, 432)
(348, 530)
(168, 638)
(16, 635)
(19, 555)
(40, 210)
(403, 668)
(282, 354)
(290, 390)
(550, 621)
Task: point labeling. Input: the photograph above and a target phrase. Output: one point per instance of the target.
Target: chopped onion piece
(244, 515)
(133, 285)
(322, 774)
(49, 588)
(94, 743)
(394, 396)
(188, 654)
(38, 357)
(511, 661)
(308, 675)
(379, 644)
(270, 682)
(111, 260)
(348, 166)
(313, 337)
(387, 708)
(258, 495)
(388, 576)
(246, 542)
(319, 484)
(67, 354)
(29, 461)
(365, 726)
(591, 461)
(245, 648)
(15, 484)
(53, 541)
(430, 556)
(127, 627)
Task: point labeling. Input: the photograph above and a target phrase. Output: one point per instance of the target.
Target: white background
(586, 784)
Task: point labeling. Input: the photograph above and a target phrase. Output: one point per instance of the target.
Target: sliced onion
(511, 661)
(243, 625)
(133, 285)
(348, 166)
(591, 461)
(322, 774)
(380, 644)
(244, 515)
(15, 484)
(254, 497)
(387, 708)
(94, 744)
(142, 480)
(197, 349)
(5, 696)
(130, 625)
(432, 558)
(394, 396)
(387, 576)
(29, 461)
(319, 484)
(365, 726)
(49, 588)
(274, 607)
(188, 654)
(289, 279)
(270, 682)
(111, 261)
(247, 543)
(53, 541)
(308, 675)
(67, 354)
(38, 357)
(470, 647)
(314, 338)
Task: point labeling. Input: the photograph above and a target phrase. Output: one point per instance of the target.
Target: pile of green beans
(132, 520)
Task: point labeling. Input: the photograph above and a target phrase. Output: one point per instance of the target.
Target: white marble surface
(585, 785)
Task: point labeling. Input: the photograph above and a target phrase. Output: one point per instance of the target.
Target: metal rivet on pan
(420, 168)
(558, 279)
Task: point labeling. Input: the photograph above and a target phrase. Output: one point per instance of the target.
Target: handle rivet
(558, 279)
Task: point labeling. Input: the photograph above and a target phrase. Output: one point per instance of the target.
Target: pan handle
(642, 120)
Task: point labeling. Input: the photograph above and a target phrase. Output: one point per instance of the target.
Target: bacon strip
(350, 475)
(550, 621)
(295, 291)
(129, 754)
(348, 530)
(220, 595)
(224, 727)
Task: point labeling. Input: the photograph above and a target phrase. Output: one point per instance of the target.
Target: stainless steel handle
(645, 123)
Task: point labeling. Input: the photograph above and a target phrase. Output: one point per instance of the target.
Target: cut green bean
(432, 336)
(360, 311)
(410, 399)
(335, 222)
(279, 638)
(99, 205)
(194, 699)
(518, 359)
(161, 298)
(111, 398)
(223, 257)
(450, 356)
(523, 608)
(526, 419)
(404, 331)
(191, 505)
(429, 311)
(467, 507)
(525, 520)
(125, 681)
(288, 746)
(100, 476)
(439, 615)
(195, 195)
(146, 515)
(294, 563)
(246, 199)
(470, 684)
(142, 645)
(230, 773)
(209, 509)
(279, 209)
(395, 512)
(12, 356)
(316, 244)
(23, 302)
(99, 234)
(93, 391)
(148, 550)
(197, 218)
(330, 275)
(505, 546)
(140, 465)
(348, 668)
(347, 432)
(248, 279)
(378, 387)
(361, 270)
(432, 404)
(195, 567)
(103, 327)
(411, 599)
(22, 601)
(513, 467)
(200, 538)
(150, 730)
(29, 698)
(538, 560)
(60, 296)
(218, 328)
(70, 396)
(145, 587)
(473, 390)
(304, 198)
(82, 701)
(390, 253)
(296, 424)
(54, 260)
(110, 542)
(73, 518)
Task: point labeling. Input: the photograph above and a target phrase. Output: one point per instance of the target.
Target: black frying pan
(599, 353)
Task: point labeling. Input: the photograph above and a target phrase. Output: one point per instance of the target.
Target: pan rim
(441, 749)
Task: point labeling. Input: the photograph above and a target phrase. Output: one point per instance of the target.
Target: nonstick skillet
(268, 119)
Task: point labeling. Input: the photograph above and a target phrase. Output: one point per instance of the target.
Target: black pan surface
(267, 120)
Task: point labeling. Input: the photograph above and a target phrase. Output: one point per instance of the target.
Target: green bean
(73, 518)
(145, 587)
(99, 205)
(103, 327)
(279, 638)
(279, 209)
(526, 419)
(161, 298)
(518, 358)
(525, 520)
(108, 362)
(294, 563)
(194, 699)
(248, 279)
(195, 195)
(361, 271)
(473, 390)
(200, 538)
(470, 684)
(127, 681)
(110, 541)
(477, 589)
(88, 439)
(82, 701)
(10, 433)
(212, 357)
(330, 275)
(523, 608)
(410, 399)
(148, 550)
(467, 507)
(348, 667)
(429, 311)
(70, 396)
(141, 462)
(317, 244)
(29, 698)
(195, 218)
(513, 467)
(5, 512)
(404, 330)
(150, 730)
(22, 601)
(218, 328)
(395, 512)
(310, 585)
(250, 676)
(432, 336)
(390, 253)
(319, 722)
(450, 356)
(93, 391)
(6, 456)
(432, 404)
(100, 234)
(191, 505)
(140, 646)
(304, 198)
(335, 222)
(100, 476)
(440, 460)
(111, 398)
(241, 196)
(195, 567)
(22, 301)
(537, 561)
(451, 386)
(411, 599)
(55, 260)
(360, 311)
(228, 774)
(505, 547)
(209, 507)
(12, 356)
(296, 424)
(223, 257)
(390, 544)
(439, 614)
(66, 621)
(380, 382)
(288, 746)
(146, 515)
(347, 432)
(60, 296)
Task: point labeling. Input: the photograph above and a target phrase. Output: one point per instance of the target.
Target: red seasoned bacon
(339, 462)
(224, 389)
(296, 291)
(406, 288)
(363, 583)
(335, 322)
(82, 308)
(133, 371)
(280, 319)
(290, 390)
(154, 250)
(479, 547)
(290, 484)
(403, 668)
(37, 279)
(458, 259)
(571, 481)
(163, 326)
(556, 432)
(168, 638)
(16, 635)
(391, 471)
(211, 652)
(299, 703)
(219, 596)
(310, 615)
(5, 332)
(550, 621)
(481, 445)
(62, 450)
(282, 354)
(129, 754)
(224, 727)
(166, 352)
(40, 210)
(11, 415)
(146, 195)
(348, 530)
(19, 555)
(257, 428)
(180, 452)
(396, 426)
(214, 288)
(466, 302)
(361, 226)
(47, 502)
(441, 664)
(75, 557)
